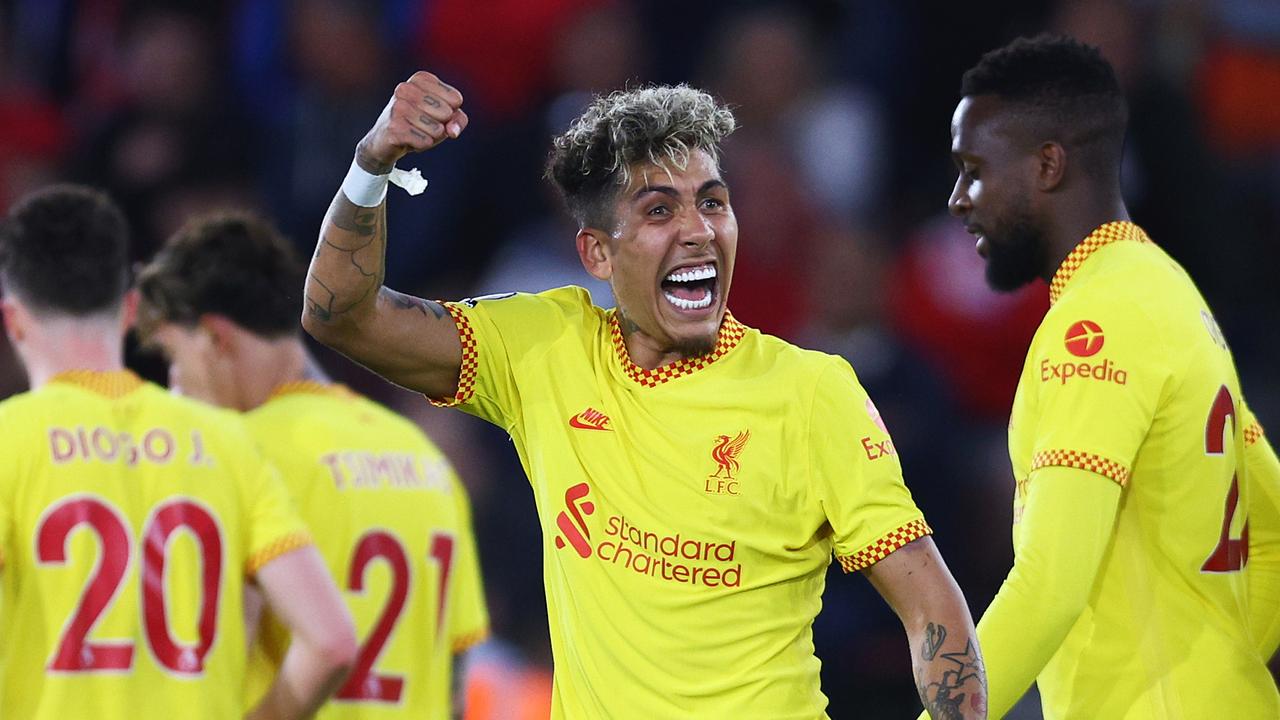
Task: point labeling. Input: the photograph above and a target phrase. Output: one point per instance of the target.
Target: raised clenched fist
(423, 112)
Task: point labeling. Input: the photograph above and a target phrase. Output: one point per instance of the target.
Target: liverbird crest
(726, 452)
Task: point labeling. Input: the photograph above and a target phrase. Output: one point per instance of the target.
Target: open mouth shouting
(691, 288)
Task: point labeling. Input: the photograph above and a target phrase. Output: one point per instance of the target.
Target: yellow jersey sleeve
(500, 331)
(6, 516)
(274, 527)
(469, 615)
(1094, 408)
(1262, 480)
(857, 474)
(1065, 530)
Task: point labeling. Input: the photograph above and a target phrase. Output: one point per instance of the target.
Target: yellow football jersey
(690, 512)
(129, 521)
(394, 526)
(1129, 377)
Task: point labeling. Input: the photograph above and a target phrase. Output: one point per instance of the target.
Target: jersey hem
(470, 360)
(881, 549)
(283, 545)
(1105, 467)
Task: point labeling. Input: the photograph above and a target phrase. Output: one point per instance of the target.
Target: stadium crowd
(840, 174)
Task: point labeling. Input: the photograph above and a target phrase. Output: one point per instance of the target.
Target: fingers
(456, 124)
(425, 111)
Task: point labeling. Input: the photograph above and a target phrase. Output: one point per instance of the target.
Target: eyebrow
(672, 192)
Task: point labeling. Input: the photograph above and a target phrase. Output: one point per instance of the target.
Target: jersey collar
(111, 383)
(1117, 231)
(730, 334)
(309, 387)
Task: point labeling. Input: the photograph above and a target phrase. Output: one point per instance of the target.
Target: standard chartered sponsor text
(672, 558)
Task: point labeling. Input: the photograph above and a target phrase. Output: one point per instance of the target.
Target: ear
(129, 317)
(1052, 162)
(16, 319)
(224, 333)
(593, 250)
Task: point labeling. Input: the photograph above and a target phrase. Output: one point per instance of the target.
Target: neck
(62, 344)
(648, 353)
(274, 362)
(1075, 224)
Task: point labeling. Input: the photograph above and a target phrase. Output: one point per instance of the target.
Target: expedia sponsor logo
(1084, 339)
(1104, 371)
(877, 449)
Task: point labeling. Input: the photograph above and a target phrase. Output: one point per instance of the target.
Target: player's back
(393, 524)
(129, 520)
(1165, 634)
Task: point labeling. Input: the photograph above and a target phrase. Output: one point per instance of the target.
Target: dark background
(840, 175)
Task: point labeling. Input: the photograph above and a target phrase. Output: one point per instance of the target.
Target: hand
(423, 112)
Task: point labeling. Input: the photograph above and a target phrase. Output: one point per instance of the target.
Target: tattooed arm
(944, 647)
(408, 340)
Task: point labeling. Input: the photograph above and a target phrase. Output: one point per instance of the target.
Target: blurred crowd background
(840, 175)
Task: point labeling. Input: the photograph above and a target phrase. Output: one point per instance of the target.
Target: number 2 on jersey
(363, 684)
(75, 653)
(1230, 554)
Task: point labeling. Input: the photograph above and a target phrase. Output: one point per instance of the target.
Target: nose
(959, 203)
(696, 229)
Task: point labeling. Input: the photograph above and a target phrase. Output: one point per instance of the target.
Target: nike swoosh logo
(577, 422)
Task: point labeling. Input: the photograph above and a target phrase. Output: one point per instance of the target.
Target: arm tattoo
(962, 682)
(363, 252)
(428, 308)
(934, 636)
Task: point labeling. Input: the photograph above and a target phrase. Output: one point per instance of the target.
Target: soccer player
(131, 520)
(391, 518)
(1144, 522)
(693, 476)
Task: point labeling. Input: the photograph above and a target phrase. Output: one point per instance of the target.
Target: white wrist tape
(368, 190)
(364, 188)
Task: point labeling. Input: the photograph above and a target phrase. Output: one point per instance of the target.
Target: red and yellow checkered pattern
(1253, 433)
(731, 332)
(286, 544)
(1119, 231)
(880, 549)
(114, 384)
(1084, 461)
(470, 359)
(312, 387)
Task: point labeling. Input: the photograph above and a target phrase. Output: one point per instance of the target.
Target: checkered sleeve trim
(282, 546)
(880, 549)
(463, 642)
(1253, 433)
(470, 359)
(1083, 461)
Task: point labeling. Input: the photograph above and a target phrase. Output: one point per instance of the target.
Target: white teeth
(688, 304)
(702, 273)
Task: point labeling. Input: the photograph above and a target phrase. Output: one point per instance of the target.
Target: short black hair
(233, 264)
(1065, 90)
(65, 249)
